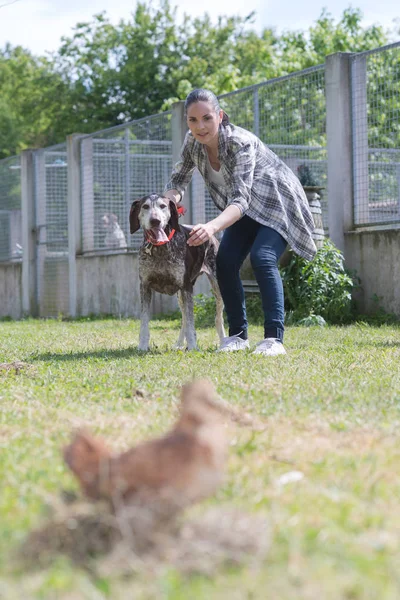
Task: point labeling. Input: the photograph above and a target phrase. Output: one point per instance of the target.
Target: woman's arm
(203, 231)
(174, 195)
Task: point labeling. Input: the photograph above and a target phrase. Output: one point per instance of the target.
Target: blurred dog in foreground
(174, 471)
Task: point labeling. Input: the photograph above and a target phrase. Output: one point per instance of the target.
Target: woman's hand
(201, 233)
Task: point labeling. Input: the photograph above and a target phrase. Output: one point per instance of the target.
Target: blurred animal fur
(173, 471)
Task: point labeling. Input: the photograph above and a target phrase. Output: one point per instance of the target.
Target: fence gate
(51, 214)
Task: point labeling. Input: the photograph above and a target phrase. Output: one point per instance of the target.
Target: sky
(39, 24)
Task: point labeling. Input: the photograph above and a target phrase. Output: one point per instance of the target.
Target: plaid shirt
(256, 180)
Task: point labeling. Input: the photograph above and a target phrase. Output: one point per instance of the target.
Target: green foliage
(32, 104)
(106, 74)
(204, 310)
(313, 321)
(320, 287)
(316, 292)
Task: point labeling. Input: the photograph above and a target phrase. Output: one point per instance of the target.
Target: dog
(115, 237)
(174, 471)
(167, 264)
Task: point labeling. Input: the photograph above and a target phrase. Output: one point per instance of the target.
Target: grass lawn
(331, 411)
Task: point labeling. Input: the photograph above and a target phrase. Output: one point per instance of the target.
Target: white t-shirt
(216, 176)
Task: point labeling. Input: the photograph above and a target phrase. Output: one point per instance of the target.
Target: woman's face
(204, 122)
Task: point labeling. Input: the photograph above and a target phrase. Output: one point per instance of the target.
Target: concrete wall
(109, 284)
(53, 286)
(11, 290)
(106, 284)
(375, 257)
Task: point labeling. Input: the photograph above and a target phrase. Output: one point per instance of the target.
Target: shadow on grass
(105, 354)
(378, 344)
(111, 354)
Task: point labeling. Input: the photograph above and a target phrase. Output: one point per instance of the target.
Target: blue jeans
(266, 247)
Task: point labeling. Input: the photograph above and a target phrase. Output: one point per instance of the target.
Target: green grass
(331, 410)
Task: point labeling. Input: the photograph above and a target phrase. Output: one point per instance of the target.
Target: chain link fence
(375, 77)
(10, 209)
(117, 166)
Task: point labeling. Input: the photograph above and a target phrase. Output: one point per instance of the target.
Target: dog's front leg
(145, 299)
(188, 319)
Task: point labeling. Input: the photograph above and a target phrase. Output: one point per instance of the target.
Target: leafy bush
(314, 291)
(320, 287)
(313, 321)
(204, 310)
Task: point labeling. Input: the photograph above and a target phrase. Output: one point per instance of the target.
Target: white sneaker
(270, 347)
(233, 343)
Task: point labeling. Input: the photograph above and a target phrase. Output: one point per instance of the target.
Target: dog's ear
(173, 220)
(84, 448)
(134, 215)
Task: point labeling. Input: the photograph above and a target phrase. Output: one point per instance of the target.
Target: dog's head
(153, 214)
(88, 459)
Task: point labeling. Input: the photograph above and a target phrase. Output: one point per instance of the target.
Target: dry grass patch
(107, 545)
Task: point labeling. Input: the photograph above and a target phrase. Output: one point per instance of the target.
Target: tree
(105, 74)
(32, 100)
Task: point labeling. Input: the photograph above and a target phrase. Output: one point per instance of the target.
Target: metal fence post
(339, 146)
(87, 198)
(179, 128)
(256, 109)
(74, 216)
(29, 264)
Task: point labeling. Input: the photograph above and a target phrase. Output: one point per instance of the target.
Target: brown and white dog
(168, 473)
(168, 265)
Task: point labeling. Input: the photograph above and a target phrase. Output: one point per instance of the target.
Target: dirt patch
(14, 367)
(108, 544)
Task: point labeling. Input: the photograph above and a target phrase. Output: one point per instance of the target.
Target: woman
(263, 206)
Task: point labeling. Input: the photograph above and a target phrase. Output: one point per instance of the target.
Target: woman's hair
(202, 95)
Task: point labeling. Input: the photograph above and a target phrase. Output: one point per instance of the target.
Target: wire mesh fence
(123, 163)
(289, 115)
(10, 209)
(375, 79)
(51, 210)
(117, 166)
